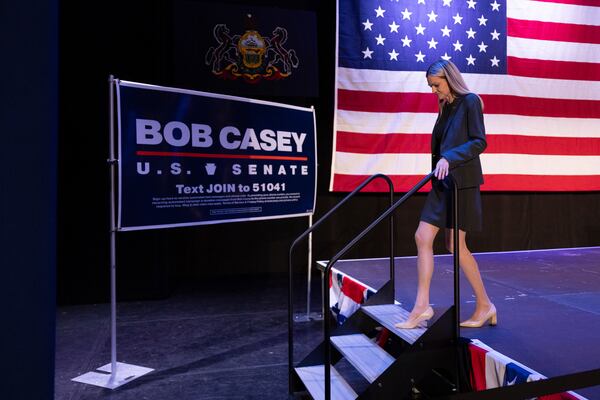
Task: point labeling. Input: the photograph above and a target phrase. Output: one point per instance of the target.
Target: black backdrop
(29, 131)
(134, 41)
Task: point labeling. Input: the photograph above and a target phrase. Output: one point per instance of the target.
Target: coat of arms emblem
(251, 56)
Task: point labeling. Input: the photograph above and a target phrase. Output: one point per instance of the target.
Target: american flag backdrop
(535, 63)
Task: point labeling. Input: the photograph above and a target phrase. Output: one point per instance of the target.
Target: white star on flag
(446, 56)
(420, 29)
(471, 4)
(379, 12)
(406, 41)
(447, 2)
(394, 27)
(432, 17)
(432, 44)
(470, 60)
(482, 47)
(495, 62)
(495, 35)
(420, 57)
(368, 24)
(471, 33)
(457, 19)
(446, 31)
(495, 6)
(482, 20)
(406, 14)
(457, 46)
(367, 53)
(393, 55)
(380, 39)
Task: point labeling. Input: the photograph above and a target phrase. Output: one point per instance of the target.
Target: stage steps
(390, 314)
(366, 356)
(395, 365)
(313, 378)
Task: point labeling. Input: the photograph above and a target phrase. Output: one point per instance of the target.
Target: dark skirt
(438, 207)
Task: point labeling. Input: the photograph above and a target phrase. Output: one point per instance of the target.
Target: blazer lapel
(453, 111)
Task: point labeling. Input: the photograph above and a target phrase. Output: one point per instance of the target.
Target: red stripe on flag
(373, 143)
(356, 100)
(593, 3)
(477, 367)
(402, 183)
(390, 143)
(542, 183)
(353, 289)
(542, 107)
(500, 183)
(553, 69)
(553, 31)
(564, 146)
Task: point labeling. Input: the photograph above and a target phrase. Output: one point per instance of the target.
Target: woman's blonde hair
(447, 70)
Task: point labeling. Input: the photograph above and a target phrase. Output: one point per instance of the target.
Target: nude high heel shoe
(491, 315)
(411, 324)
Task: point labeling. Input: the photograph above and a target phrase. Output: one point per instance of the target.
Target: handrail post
(327, 332)
(392, 268)
(455, 216)
(456, 260)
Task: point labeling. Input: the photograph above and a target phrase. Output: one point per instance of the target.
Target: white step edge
(366, 356)
(313, 378)
(389, 314)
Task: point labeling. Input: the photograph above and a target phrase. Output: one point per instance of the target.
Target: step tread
(366, 356)
(390, 314)
(313, 378)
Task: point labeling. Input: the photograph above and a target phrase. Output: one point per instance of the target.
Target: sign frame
(120, 134)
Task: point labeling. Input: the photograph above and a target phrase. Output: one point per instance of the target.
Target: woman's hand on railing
(441, 169)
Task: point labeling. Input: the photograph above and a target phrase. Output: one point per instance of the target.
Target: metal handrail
(305, 234)
(352, 243)
(526, 390)
(340, 254)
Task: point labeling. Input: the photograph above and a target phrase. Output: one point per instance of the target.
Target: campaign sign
(192, 158)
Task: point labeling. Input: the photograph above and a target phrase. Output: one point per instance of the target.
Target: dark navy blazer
(463, 141)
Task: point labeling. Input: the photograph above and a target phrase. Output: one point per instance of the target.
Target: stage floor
(548, 303)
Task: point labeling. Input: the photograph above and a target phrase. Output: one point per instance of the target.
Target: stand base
(303, 317)
(125, 373)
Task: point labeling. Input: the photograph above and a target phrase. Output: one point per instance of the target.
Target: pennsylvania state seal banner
(249, 50)
(193, 158)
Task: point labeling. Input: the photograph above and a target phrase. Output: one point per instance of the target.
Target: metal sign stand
(114, 374)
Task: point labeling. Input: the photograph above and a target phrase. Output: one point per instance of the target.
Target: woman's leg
(470, 268)
(424, 237)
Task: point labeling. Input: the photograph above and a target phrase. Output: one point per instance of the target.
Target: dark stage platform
(548, 303)
(227, 339)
